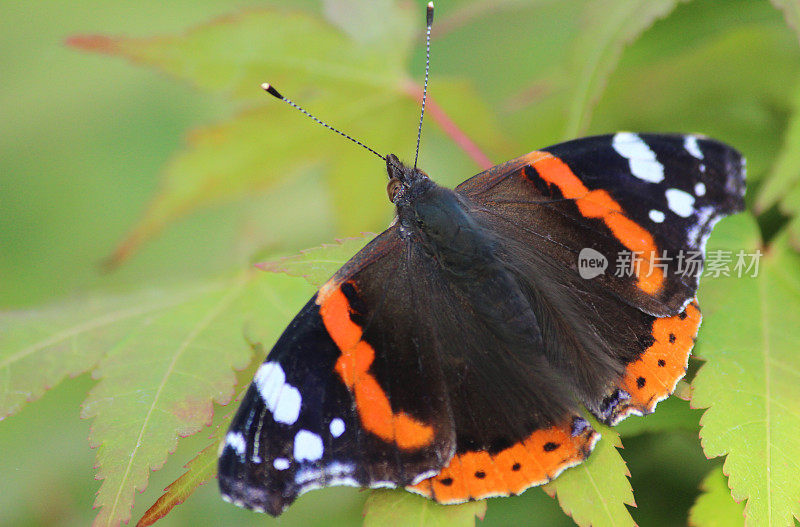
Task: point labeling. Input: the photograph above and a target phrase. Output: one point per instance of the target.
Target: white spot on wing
(657, 216)
(269, 380)
(680, 202)
(337, 427)
(307, 446)
(288, 408)
(235, 440)
(281, 463)
(642, 160)
(282, 399)
(700, 189)
(691, 146)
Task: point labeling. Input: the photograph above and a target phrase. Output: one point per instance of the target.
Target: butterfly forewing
(645, 202)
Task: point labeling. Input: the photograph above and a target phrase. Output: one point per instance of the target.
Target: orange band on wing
(353, 367)
(653, 377)
(600, 204)
(533, 461)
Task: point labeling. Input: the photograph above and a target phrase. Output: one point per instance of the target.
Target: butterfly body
(453, 354)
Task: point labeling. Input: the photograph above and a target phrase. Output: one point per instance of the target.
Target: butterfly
(454, 354)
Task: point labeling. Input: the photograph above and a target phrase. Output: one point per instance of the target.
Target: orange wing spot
(410, 433)
(652, 378)
(448, 486)
(632, 235)
(514, 466)
(533, 461)
(600, 204)
(555, 171)
(353, 367)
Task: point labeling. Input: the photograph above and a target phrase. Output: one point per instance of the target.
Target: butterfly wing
(461, 387)
(622, 338)
(315, 414)
(393, 374)
(648, 197)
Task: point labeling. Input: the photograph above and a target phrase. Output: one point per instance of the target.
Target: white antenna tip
(269, 88)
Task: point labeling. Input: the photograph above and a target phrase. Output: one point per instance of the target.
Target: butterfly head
(405, 182)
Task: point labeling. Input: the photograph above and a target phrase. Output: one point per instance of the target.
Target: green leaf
(736, 85)
(159, 377)
(597, 491)
(398, 508)
(751, 380)
(608, 27)
(161, 359)
(358, 87)
(715, 507)
(235, 54)
(199, 470)
(39, 348)
(671, 414)
(785, 173)
(317, 264)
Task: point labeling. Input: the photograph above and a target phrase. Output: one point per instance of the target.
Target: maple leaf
(39, 348)
(597, 491)
(161, 360)
(715, 507)
(398, 508)
(317, 263)
(750, 380)
(782, 185)
(199, 470)
(266, 143)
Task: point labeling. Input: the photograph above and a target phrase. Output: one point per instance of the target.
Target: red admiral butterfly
(452, 354)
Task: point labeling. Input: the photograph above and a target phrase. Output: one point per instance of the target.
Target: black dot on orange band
(662, 362)
(640, 382)
(550, 446)
(516, 467)
(480, 474)
(447, 482)
(672, 338)
(683, 315)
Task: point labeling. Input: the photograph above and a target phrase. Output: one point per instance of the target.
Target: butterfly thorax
(437, 218)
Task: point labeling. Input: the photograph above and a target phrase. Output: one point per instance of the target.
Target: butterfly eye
(393, 188)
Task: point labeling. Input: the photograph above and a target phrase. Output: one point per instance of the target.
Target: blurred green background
(86, 137)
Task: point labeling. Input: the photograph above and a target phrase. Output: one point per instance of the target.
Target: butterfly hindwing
(316, 415)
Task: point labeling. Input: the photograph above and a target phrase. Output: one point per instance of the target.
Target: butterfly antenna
(275, 93)
(428, 23)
